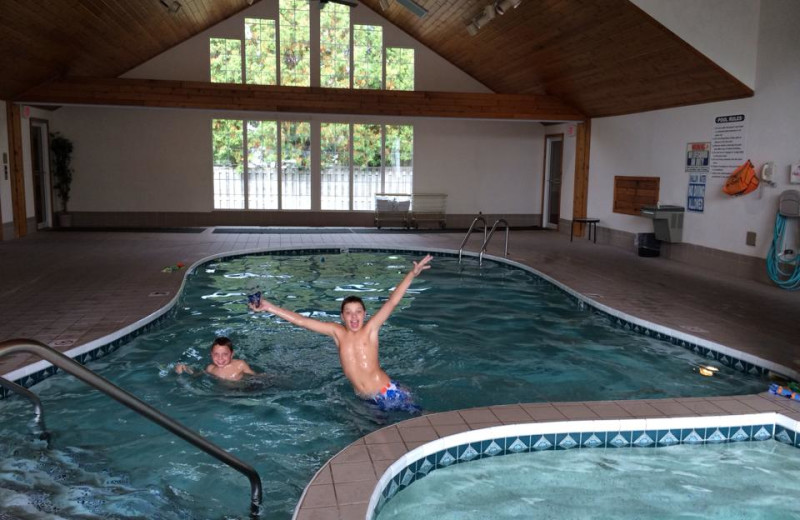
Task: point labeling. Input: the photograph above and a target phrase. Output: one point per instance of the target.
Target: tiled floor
(68, 288)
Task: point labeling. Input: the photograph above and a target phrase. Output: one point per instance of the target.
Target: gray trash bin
(647, 244)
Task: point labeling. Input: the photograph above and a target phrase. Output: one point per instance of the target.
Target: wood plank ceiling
(602, 57)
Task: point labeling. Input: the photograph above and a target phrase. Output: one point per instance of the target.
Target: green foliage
(399, 69)
(367, 145)
(226, 60)
(296, 149)
(61, 149)
(295, 35)
(334, 46)
(228, 143)
(399, 145)
(260, 52)
(335, 144)
(367, 56)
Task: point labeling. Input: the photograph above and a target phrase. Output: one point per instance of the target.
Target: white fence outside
(262, 187)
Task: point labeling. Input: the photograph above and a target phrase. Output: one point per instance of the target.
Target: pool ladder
(486, 237)
(82, 373)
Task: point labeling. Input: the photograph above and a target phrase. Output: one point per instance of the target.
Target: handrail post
(137, 405)
(477, 219)
(38, 411)
(486, 241)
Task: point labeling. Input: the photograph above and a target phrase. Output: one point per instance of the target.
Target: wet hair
(351, 299)
(224, 342)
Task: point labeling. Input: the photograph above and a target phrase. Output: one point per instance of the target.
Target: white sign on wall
(727, 145)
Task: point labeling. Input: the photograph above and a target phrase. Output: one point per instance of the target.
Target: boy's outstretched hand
(422, 265)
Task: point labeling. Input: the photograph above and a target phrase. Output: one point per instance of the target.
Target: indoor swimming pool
(464, 336)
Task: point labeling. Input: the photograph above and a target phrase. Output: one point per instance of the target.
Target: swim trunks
(394, 397)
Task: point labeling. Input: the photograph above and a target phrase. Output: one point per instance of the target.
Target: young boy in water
(357, 342)
(223, 365)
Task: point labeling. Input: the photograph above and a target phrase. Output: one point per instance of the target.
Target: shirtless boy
(223, 365)
(357, 342)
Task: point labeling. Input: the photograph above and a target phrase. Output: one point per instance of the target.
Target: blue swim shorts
(394, 397)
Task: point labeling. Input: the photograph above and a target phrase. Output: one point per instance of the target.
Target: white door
(40, 159)
(551, 206)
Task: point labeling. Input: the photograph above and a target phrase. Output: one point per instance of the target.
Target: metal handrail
(73, 368)
(477, 219)
(34, 399)
(486, 242)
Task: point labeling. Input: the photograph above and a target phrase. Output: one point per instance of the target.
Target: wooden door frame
(14, 126)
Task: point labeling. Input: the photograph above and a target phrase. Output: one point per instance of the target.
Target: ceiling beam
(225, 96)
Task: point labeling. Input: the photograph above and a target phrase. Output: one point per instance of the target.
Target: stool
(592, 227)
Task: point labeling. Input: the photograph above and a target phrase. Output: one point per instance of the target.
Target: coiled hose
(785, 274)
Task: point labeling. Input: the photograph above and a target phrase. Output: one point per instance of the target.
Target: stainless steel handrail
(34, 399)
(486, 242)
(477, 219)
(73, 368)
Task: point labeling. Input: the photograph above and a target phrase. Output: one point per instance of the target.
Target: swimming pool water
(463, 336)
(751, 480)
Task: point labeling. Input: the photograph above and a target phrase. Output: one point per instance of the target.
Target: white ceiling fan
(411, 5)
(348, 3)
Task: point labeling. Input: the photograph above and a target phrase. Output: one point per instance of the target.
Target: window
(262, 165)
(399, 69)
(228, 145)
(334, 46)
(295, 43)
(335, 165)
(367, 56)
(262, 61)
(295, 165)
(366, 165)
(397, 159)
(260, 53)
(356, 162)
(226, 60)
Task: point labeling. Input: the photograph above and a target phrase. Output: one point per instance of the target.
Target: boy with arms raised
(357, 341)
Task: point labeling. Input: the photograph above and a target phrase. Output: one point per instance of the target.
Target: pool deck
(68, 288)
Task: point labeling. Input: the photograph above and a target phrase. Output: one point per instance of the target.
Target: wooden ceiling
(600, 57)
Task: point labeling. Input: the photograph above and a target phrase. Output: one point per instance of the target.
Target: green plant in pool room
(61, 156)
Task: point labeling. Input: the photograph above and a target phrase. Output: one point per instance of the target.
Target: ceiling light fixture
(488, 14)
(502, 6)
(384, 4)
(171, 7)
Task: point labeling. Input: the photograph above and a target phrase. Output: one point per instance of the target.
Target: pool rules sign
(727, 145)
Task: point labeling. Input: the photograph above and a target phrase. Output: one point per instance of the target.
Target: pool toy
(784, 391)
(178, 266)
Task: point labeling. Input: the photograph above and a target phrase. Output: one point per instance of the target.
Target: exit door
(551, 205)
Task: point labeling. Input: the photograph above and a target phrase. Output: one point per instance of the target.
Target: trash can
(647, 244)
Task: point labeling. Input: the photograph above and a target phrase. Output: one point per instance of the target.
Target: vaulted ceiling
(601, 57)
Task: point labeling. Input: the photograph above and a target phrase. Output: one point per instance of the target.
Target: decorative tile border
(558, 436)
(32, 374)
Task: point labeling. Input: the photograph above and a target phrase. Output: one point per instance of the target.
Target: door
(551, 203)
(41, 177)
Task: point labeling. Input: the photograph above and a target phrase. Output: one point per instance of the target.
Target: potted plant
(61, 149)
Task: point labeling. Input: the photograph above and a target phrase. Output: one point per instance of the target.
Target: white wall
(189, 60)
(161, 160)
(654, 144)
(165, 157)
(726, 31)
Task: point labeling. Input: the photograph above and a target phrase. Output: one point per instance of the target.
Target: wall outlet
(751, 238)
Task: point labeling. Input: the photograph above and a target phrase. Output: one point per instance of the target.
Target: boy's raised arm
(321, 327)
(383, 314)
